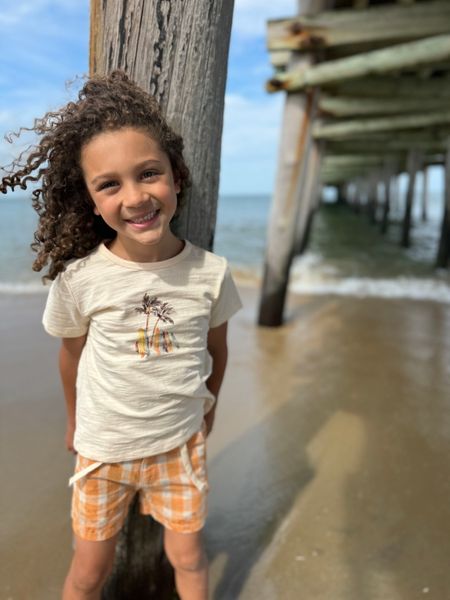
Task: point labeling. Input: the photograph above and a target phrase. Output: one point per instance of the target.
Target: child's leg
(91, 564)
(100, 504)
(186, 553)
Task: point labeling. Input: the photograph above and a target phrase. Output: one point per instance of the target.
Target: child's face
(131, 183)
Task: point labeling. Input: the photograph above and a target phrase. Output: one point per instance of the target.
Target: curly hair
(67, 226)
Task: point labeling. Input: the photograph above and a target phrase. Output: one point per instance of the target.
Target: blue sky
(44, 44)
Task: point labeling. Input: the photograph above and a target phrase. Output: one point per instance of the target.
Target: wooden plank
(344, 177)
(401, 56)
(381, 86)
(358, 127)
(376, 13)
(430, 141)
(349, 106)
(386, 24)
(367, 34)
(348, 160)
(387, 143)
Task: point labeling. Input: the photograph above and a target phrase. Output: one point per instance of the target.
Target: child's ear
(177, 187)
(96, 211)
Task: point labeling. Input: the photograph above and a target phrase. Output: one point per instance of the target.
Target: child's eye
(105, 185)
(148, 174)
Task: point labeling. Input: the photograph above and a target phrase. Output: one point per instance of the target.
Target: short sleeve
(227, 302)
(62, 317)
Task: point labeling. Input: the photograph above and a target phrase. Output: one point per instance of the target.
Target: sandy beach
(329, 463)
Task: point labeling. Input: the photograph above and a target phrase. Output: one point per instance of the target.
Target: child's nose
(134, 195)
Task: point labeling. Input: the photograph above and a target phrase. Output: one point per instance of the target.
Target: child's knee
(185, 555)
(191, 561)
(88, 579)
(91, 565)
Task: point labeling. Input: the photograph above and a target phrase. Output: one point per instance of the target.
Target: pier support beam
(386, 201)
(311, 199)
(372, 199)
(288, 200)
(388, 179)
(443, 256)
(294, 149)
(425, 195)
(395, 194)
(413, 167)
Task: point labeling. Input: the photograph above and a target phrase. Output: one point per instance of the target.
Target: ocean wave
(22, 288)
(326, 282)
(363, 287)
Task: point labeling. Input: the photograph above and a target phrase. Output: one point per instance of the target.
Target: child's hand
(70, 432)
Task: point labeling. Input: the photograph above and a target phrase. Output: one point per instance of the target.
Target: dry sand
(329, 463)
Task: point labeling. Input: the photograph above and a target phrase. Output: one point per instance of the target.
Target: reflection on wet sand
(337, 485)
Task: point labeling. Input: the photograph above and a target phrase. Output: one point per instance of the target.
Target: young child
(143, 321)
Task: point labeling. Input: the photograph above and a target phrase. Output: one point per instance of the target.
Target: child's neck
(128, 250)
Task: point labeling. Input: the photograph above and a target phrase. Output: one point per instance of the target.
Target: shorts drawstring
(84, 472)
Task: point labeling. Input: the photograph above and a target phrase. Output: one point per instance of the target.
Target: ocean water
(346, 256)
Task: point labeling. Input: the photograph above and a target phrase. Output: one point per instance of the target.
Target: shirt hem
(91, 454)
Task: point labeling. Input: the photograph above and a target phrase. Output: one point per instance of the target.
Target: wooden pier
(367, 87)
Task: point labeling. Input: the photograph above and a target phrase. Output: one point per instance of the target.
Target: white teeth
(145, 218)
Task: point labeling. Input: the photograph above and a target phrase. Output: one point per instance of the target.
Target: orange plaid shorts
(172, 488)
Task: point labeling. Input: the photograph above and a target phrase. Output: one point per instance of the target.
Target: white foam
(401, 287)
(22, 288)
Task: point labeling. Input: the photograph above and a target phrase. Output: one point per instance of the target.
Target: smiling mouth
(145, 218)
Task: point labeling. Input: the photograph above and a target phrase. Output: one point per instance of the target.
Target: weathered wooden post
(412, 168)
(178, 52)
(386, 203)
(295, 142)
(425, 194)
(443, 255)
(372, 198)
(341, 194)
(311, 199)
(352, 194)
(389, 169)
(358, 196)
(395, 193)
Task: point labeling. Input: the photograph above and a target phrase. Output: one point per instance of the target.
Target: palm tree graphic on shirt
(159, 340)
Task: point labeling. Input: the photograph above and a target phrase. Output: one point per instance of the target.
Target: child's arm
(217, 347)
(69, 357)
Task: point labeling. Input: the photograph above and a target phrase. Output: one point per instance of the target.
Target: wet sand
(329, 463)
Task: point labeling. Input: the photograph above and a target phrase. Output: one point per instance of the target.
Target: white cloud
(250, 16)
(250, 143)
(251, 126)
(25, 9)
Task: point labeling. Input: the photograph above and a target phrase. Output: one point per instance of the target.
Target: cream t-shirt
(141, 384)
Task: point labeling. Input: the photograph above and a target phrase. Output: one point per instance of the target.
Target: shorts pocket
(193, 459)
